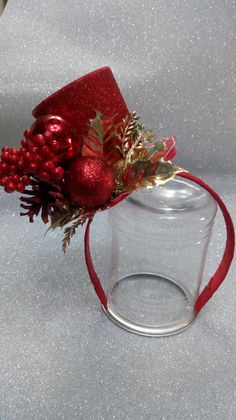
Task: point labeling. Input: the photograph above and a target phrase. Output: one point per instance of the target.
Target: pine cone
(47, 198)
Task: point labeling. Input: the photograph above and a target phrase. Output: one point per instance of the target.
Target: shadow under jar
(158, 246)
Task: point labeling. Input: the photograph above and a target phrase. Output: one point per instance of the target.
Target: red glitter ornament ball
(89, 181)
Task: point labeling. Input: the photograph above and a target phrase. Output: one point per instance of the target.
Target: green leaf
(159, 146)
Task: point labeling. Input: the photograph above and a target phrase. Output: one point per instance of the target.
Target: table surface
(60, 356)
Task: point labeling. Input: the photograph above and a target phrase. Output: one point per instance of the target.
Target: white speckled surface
(60, 357)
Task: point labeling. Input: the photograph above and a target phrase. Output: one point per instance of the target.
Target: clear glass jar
(159, 241)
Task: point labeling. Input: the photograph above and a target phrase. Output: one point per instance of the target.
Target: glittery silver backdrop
(60, 357)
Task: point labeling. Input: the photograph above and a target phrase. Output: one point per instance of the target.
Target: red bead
(69, 155)
(47, 166)
(20, 187)
(3, 166)
(12, 168)
(33, 149)
(33, 167)
(20, 164)
(37, 159)
(58, 173)
(38, 139)
(15, 178)
(5, 156)
(54, 146)
(44, 176)
(4, 180)
(27, 157)
(24, 143)
(27, 133)
(45, 151)
(13, 159)
(48, 136)
(26, 180)
(9, 187)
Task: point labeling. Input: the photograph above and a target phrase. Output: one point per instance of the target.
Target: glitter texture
(61, 358)
(78, 101)
(89, 181)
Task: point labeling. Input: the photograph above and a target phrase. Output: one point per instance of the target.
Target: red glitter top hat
(78, 101)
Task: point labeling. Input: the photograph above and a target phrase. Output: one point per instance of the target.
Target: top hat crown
(78, 101)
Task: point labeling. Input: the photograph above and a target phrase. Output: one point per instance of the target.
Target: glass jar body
(159, 241)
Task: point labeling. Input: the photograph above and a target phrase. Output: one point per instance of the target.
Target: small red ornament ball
(89, 181)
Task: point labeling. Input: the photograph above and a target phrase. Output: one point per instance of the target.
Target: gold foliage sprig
(77, 216)
(128, 132)
(143, 163)
(70, 231)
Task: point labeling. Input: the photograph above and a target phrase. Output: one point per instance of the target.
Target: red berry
(15, 178)
(13, 159)
(37, 159)
(38, 139)
(45, 176)
(26, 180)
(33, 167)
(27, 157)
(5, 156)
(27, 133)
(5, 149)
(3, 166)
(24, 143)
(5, 180)
(45, 151)
(69, 155)
(33, 149)
(9, 187)
(20, 165)
(54, 146)
(48, 136)
(58, 173)
(47, 166)
(20, 187)
(12, 168)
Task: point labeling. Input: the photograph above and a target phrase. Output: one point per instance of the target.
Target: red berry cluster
(11, 178)
(43, 150)
(35, 158)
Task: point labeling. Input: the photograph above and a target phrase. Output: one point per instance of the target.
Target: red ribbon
(91, 270)
(223, 268)
(215, 280)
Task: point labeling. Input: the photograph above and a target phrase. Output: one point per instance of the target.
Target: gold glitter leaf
(147, 174)
(101, 139)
